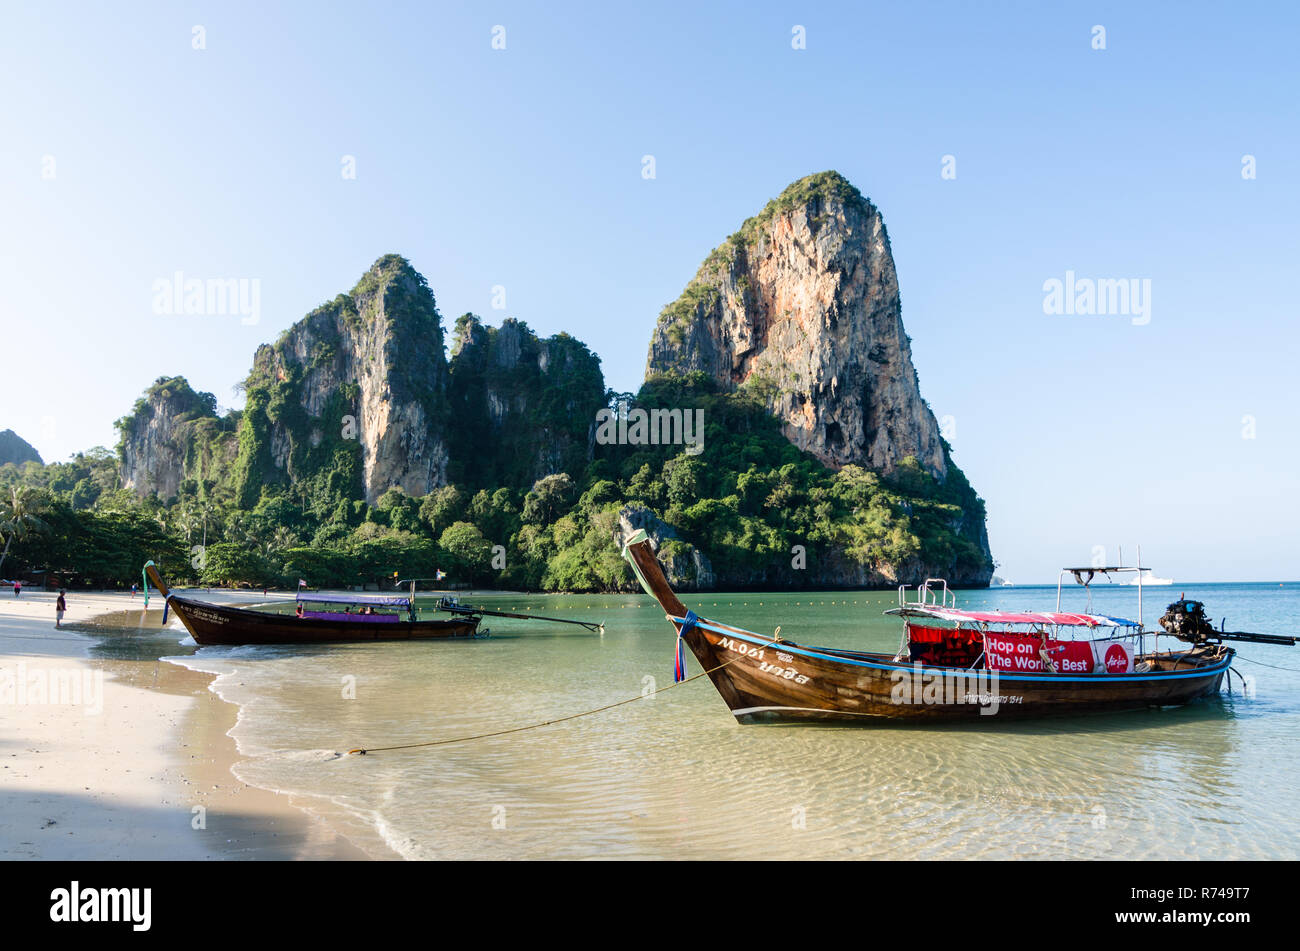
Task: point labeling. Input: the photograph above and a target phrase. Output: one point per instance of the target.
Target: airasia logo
(1116, 659)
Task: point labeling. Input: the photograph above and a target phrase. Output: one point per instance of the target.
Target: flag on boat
(301, 583)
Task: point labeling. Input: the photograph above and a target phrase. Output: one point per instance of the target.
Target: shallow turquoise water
(675, 776)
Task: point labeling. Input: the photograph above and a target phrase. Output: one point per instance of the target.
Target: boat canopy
(377, 600)
(1011, 617)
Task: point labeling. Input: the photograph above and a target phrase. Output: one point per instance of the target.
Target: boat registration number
(776, 670)
(749, 650)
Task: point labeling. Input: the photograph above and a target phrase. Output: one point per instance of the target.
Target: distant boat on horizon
(1148, 577)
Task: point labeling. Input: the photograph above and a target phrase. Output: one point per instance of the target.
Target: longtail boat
(331, 618)
(951, 664)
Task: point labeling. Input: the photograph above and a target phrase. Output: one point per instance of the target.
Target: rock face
(367, 367)
(524, 407)
(172, 434)
(685, 566)
(359, 398)
(15, 449)
(802, 303)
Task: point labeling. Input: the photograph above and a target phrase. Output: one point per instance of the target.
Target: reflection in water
(675, 776)
(135, 634)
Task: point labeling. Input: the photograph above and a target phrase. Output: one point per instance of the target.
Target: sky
(292, 144)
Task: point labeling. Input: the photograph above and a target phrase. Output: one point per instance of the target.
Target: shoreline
(109, 752)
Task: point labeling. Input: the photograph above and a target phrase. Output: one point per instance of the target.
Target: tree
(467, 548)
(18, 517)
(230, 563)
(441, 507)
(399, 509)
(548, 499)
(685, 477)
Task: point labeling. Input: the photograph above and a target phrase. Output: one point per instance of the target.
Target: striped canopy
(376, 600)
(1014, 617)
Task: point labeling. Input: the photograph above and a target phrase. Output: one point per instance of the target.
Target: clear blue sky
(522, 167)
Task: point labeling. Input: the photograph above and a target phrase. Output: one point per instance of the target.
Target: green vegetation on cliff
(304, 399)
(810, 190)
(521, 493)
(745, 501)
(750, 496)
(523, 407)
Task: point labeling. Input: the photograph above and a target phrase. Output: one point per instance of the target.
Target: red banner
(1019, 653)
(1113, 657)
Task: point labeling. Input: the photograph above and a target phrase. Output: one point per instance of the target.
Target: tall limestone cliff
(524, 407)
(800, 309)
(173, 434)
(363, 377)
(802, 303)
(16, 449)
(358, 398)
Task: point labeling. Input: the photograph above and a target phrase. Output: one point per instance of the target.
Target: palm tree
(18, 517)
(187, 524)
(283, 538)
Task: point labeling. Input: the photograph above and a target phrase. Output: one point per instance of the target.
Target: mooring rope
(1294, 670)
(776, 639)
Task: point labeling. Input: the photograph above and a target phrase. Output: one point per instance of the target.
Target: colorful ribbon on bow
(144, 575)
(166, 603)
(679, 666)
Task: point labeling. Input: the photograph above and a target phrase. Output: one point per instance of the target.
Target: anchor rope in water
(776, 639)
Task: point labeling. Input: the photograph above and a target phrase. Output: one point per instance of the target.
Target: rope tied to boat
(362, 751)
(1262, 664)
(679, 653)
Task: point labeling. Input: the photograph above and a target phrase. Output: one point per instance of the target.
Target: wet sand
(108, 753)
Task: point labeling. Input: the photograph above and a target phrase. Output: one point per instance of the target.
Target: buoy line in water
(362, 751)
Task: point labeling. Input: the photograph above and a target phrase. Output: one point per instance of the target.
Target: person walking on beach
(133, 587)
(18, 588)
(60, 606)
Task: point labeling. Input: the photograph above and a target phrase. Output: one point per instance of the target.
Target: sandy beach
(106, 756)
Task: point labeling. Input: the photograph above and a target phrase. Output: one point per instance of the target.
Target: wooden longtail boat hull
(761, 679)
(211, 624)
(783, 681)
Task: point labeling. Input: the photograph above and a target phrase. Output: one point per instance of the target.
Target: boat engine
(1186, 620)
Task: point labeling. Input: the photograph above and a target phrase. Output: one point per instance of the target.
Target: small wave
(404, 845)
(305, 756)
